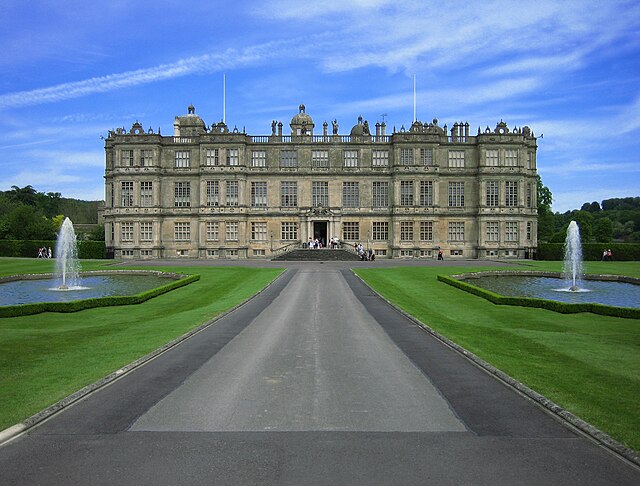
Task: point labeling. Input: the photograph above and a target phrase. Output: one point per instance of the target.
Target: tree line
(616, 219)
(26, 214)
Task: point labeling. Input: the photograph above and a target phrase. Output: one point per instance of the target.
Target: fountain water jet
(572, 268)
(67, 264)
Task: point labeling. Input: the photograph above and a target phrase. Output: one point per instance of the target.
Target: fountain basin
(614, 295)
(30, 294)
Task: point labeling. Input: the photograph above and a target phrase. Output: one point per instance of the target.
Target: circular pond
(47, 290)
(614, 293)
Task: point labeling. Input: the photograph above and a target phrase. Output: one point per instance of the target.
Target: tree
(546, 221)
(603, 230)
(24, 195)
(585, 222)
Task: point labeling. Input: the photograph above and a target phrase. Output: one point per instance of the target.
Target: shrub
(78, 305)
(29, 248)
(591, 251)
(552, 305)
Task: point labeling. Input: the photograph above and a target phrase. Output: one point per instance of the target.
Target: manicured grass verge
(48, 356)
(588, 364)
(79, 305)
(552, 305)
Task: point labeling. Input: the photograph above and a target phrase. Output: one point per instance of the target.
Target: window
(426, 230)
(288, 158)
(212, 157)
(231, 253)
(146, 194)
(351, 158)
(182, 194)
(406, 230)
(531, 160)
(259, 194)
(213, 193)
(406, 253)
(182, 231)
(146, 231)
(320, 158)
(259, 252)
(212, 253)
(530, 198)
(456, 194)
(511, 158)
(380, 158)
(406, 193)
(351, 230)
(382, 253)
(259, 231)
(426, 156)
(492, 158)
(183, 159)
(456, 158)
(231, 228)
(511, 231)
(146, 158)
(126, 232)
(529, 230)
(350, 194)
(258, 158)
(289, 230)
(492, 231)
(112, 195)
(456, 231)
(380, 230)
(127, 158)
(232, 193)
(426, 193)
(126, 191)
(146, 252)
(511, 193)
(493, 193)
(406, 156)
(320, 193)
(380, 192)
(288, 194)
(212, 230)
(233, 157)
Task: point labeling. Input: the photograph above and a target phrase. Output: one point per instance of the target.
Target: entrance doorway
(320, 232)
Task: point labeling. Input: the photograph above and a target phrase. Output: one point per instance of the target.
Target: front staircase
(319, 255)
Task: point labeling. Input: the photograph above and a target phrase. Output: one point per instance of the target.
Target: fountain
(572, 268)
(67, 264)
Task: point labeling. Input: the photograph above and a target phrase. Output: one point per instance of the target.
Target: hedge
(552, 305)
(29, 248)
(78, 305)
(591, 251)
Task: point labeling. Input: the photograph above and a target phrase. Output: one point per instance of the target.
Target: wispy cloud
(229, 59)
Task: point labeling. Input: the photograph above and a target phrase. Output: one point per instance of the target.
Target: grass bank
(588, 364)
(45, 357)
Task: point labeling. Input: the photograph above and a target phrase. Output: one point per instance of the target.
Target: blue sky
(71, 71)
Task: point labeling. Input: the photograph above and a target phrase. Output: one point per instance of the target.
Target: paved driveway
(315, 381)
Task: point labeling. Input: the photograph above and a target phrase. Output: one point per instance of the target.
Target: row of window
(320, 158)
(350, 231)
(320, 194)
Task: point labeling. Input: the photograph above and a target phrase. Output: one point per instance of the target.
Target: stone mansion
(212, 192)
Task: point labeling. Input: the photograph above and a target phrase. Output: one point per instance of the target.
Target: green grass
(45, 357)
(587, 363)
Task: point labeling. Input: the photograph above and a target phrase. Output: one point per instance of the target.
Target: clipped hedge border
(78, 305)
(552, 305)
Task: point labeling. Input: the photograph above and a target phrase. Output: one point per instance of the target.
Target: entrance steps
(319, 255)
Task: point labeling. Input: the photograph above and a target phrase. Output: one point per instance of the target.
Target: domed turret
(189, 124)
(302, 123)
(361, 129)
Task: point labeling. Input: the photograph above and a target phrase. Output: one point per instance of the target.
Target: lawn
(588, 364)
(48, 356)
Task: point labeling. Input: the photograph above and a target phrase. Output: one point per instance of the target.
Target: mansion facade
(212, 192)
